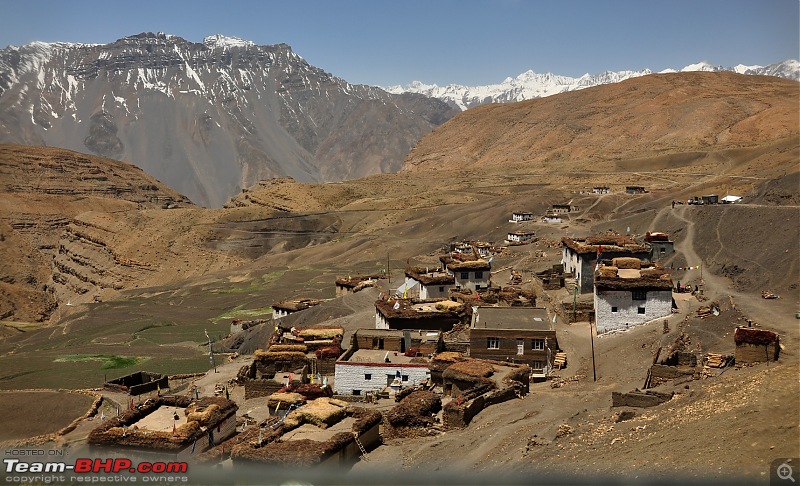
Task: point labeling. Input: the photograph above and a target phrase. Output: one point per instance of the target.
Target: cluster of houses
(447, 330)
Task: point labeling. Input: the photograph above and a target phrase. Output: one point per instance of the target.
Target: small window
(641, 310)
(493, 343)
(464, 275)
(639, 295)
(368, 376)
(537, 365)
(441, 289)
(478, 274)
(357, 392)
(537, 344)
(614, 309)
(404, 378)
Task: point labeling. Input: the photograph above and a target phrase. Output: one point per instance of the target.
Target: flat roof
(162, 419)
(378, 356)
(527, 318)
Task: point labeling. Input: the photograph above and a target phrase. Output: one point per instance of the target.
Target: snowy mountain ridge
(529, 84)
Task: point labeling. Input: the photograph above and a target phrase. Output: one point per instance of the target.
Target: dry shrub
(417, 409)
(471, 367)
(329, 352)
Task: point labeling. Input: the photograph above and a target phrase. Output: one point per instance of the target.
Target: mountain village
(448, 341)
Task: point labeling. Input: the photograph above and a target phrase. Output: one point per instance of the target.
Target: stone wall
(260, 388)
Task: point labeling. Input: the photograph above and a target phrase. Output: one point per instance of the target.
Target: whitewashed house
(519, 217)
(521, 236)
(473, 275)
(426, 283)
(624, 298)
(579, 255)
(376, 360)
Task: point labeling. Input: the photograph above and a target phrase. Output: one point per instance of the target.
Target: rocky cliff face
(207, 118)
(49, 254)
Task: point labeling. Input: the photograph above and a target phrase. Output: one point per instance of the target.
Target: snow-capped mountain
(529, 84)
(207, 118)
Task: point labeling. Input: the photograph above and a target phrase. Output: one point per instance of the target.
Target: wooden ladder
(361, 448)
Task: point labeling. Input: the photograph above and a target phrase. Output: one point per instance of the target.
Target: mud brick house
(426, 283)
(635, 190)
(579, 255)
(167, 428)
(378, 359)
(660, 244)
(626, 295)
(351, 285)
(601, 190)
(324, 433)
(551, 218)
(520, 216)
(560, 209)
(514, 334)
(406, 314)
(476, 384)
(138, 383)
(756, 345)
(520, 236)
(286, 307)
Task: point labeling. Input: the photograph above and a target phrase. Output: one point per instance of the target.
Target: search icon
(785, 472)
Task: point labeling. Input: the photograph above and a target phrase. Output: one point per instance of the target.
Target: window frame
(490, 341)
(534, 341)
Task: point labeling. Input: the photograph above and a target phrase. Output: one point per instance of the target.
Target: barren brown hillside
(671, 120)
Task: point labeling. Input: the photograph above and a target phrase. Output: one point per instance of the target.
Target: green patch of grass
(110, 361)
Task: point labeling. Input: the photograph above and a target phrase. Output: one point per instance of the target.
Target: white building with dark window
(473, 275)
(520, 216)
(624, 298)
(428, 283)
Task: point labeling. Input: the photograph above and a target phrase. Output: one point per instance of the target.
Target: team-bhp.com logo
(94, 466)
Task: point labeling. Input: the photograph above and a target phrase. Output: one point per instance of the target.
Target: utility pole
(211, 353)
(388, 273)
(591, 335)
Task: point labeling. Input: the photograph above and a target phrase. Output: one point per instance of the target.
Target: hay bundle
(448, 356)
(285, 399)
(315, 334)
(629, 263)
(608, 272)
(448, 305)
(309, 391)
(416, 409)
(270, 356)
(322, 412)
(653, 272)
(278, 348)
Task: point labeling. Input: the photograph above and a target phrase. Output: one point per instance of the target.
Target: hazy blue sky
(470, 42)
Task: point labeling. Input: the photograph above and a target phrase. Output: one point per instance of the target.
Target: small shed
(756, 345)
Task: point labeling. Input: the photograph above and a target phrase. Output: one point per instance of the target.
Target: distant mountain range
(210, 118)
(529, 84)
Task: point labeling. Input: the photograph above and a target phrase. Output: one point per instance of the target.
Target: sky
(468, 42)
